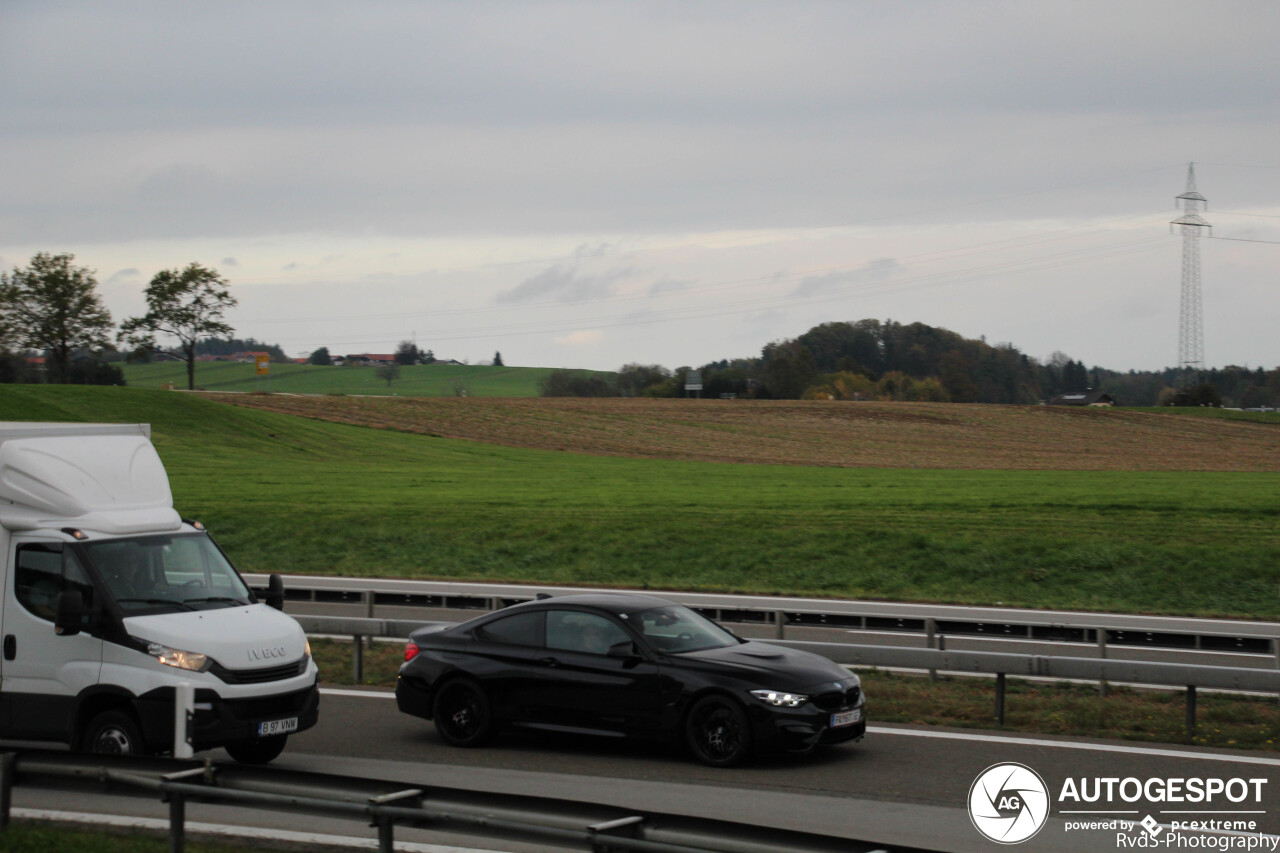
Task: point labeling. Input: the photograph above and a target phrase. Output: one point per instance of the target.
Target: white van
(110, 601)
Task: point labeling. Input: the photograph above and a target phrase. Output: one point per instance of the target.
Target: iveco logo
(267, 653)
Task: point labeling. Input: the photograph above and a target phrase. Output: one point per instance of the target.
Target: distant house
(370, 358)
(1084, 398)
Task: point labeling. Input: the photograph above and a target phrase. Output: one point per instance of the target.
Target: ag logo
(1008, 803)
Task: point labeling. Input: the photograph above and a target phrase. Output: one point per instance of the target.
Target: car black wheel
(717, 732)
(258, 751)
(113, 733)
(461, 713)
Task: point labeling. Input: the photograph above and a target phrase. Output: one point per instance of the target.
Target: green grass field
(289, 494)
(422, 380)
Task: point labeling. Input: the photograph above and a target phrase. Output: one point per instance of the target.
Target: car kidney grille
(835, 700)
(259, 676)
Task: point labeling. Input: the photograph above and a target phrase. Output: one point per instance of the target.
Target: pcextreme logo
(1008, 803)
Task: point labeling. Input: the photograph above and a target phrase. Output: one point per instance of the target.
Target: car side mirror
(70, 613)
(624, 649)
(275, 592)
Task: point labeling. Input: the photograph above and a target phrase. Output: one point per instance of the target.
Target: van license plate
(846, 718)
(278, 727)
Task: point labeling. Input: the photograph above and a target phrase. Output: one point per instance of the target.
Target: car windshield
(676, 629)
(166, 574)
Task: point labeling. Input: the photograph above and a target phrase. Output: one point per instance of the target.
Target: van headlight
(193, 661)
(779, 699)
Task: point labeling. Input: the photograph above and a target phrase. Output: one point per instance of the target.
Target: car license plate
(846, 718)
(277, 727)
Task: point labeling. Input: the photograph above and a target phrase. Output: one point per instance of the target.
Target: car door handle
(549, 661)
(10, 646)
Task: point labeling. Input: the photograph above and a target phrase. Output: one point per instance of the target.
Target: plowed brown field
(878, 435)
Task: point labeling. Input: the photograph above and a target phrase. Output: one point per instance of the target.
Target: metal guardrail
(929, 620)
(568, 823)
(998, 664)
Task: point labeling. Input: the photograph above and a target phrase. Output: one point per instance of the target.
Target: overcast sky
(590, 184)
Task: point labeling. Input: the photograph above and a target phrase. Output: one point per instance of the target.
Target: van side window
(74, 577)
(38, 579)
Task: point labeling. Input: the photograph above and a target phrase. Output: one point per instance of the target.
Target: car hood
(247, 637)
(783, 668)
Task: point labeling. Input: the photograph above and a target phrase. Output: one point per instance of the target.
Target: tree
(408, 353)
(321, 357)
(389, 372)
(187, 304)
(54, 306)
(497, 360)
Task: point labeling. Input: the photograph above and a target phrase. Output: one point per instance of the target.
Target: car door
(43, 671)
(584, 687)
(505, 655)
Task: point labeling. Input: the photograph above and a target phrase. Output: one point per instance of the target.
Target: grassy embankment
(301, 495)
(423, 380)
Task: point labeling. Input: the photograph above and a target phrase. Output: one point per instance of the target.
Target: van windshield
(158, 574)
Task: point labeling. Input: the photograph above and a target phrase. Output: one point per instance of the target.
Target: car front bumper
(803, 729)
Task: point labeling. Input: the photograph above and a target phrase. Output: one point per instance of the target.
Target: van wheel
(113, 733)
(258, 751)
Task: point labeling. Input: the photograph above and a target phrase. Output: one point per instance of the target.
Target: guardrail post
(370, 598)
(930, 628)
(1102, 653)
(1191, 710)
(385, 823)
(1000, 698)
(184, 707)
(780, 625)
(357, 659)
(626, 827)
(177, 821)
(8, 765)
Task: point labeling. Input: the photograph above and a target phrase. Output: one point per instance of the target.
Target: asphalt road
(899, 786)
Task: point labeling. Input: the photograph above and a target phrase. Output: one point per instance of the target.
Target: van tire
(113, 733)
(258, 751)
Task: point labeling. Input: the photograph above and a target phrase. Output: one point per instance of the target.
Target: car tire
(717, 732)
(113, 733)
(258, 751)
(462, 714)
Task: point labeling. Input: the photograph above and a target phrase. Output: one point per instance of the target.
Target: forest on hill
(875, 360)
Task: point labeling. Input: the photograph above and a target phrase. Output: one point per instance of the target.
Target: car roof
(614, 602)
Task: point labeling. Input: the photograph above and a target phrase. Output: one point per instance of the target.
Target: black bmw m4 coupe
(626, 665)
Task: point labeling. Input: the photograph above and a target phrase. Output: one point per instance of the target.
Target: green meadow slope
(422, 380)
(297, 494)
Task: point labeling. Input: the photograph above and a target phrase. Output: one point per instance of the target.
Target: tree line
(874, 360)
(52, 306)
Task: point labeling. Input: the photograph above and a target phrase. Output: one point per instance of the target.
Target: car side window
(521, 629)
(575, 631)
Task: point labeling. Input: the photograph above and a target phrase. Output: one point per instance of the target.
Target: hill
(420, 380)
(299, 494)
(851, 435)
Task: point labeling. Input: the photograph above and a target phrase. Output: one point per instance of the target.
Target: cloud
(124, 276)
(567, 282)
(669, 285)
(230, 262)
(878, 270)
(584, 338)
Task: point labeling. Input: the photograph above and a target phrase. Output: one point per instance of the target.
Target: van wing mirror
(70, 613)
(275, 592)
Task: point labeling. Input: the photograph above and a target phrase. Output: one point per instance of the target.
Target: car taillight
(410, 651)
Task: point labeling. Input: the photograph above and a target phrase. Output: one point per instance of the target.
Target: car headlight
(193, 661)
(780, 699)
